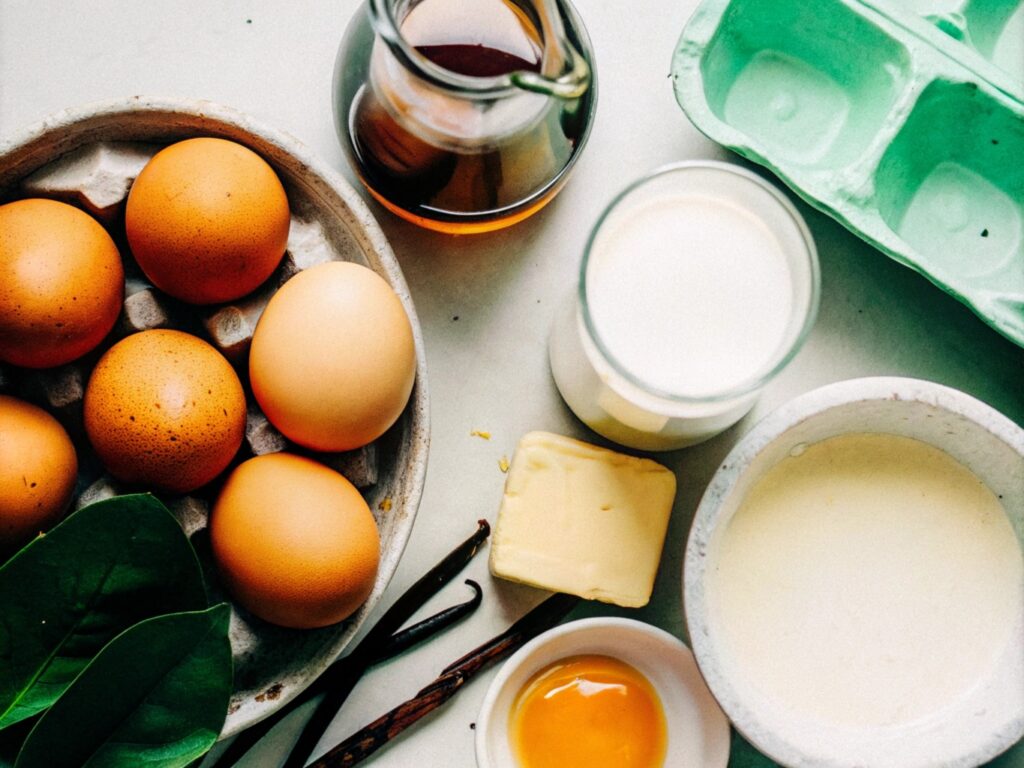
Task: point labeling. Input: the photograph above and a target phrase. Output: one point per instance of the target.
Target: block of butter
(584, 520)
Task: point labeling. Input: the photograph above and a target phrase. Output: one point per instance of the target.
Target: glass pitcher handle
(560, 55)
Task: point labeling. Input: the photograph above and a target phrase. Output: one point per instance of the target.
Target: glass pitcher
(464, 115)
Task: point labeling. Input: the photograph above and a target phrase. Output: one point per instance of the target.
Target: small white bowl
(698, 733)
(980, 724)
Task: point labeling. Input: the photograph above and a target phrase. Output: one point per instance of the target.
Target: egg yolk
(588, 712)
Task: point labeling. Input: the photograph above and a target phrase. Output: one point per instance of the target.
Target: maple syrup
(449, 158)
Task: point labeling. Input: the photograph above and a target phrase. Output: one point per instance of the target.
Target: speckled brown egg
(164, 410)
(61, 283)
(38, 466)
(294, 541)
(207, 220)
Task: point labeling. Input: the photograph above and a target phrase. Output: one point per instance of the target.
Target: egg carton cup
(904, 121)
(89, 157)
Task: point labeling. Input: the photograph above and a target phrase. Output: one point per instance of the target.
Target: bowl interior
(979, 725)
(272, 664)
(698, 733)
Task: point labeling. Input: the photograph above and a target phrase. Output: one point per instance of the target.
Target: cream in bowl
(601, 692)
(854, 580)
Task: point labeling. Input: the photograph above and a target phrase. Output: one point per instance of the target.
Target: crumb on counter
(503, 464)
(480, 433)
(385, 504)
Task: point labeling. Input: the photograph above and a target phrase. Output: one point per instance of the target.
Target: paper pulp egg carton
(902, 119)
(97, 178)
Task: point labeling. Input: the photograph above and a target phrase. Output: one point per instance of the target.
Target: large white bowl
(272, 664)
(698, 733)
(982, 723)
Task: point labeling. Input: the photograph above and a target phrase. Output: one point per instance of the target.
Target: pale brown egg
(38, 467)
(333, 359)
(294, 541)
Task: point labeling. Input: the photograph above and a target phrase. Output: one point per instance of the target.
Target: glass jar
(699, 283)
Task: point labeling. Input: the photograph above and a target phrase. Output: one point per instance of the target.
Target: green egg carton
(902, 119)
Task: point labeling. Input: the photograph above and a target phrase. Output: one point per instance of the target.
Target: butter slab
(583, 520)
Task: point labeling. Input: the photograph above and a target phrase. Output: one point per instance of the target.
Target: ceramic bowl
(987, 718)
(698, 733)
(272, 664)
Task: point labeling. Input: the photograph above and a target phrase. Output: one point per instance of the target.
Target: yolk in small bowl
(588, 712)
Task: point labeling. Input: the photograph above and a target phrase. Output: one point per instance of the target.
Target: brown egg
(38, 468)
(294, 541)
(333, 359)
(164, 410)
(61, 283)
(207, 220)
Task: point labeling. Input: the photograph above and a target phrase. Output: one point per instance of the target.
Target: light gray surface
(488, 369)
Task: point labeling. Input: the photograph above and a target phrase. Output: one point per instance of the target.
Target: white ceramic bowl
(272, 664)
(698, 733)
(984, 721)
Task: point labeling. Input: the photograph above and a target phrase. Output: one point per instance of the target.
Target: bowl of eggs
(193, 305)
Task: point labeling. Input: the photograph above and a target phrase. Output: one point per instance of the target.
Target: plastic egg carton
(902, 119)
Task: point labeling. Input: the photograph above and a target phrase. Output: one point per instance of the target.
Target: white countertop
(486, 302)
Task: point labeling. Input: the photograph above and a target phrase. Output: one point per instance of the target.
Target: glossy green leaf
(157, 696)
(69, 592)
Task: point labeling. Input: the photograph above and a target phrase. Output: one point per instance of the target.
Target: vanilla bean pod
(362, 656)
(430, 626)
(368, 740)
(338, 680)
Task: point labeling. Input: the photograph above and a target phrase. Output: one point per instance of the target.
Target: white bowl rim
(485, 719)
(708, 513)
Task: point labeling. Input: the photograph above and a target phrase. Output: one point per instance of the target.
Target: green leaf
(1011, 758)
(743, 755)
(157, 696)
(69, 592)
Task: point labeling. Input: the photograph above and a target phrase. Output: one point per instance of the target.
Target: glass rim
(383, 21)
(778, 361)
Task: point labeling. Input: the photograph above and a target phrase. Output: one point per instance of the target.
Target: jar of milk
(698, 284)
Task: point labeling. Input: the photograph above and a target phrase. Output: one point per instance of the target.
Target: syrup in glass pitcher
(464, 115)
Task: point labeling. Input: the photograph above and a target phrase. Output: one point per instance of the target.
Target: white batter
(690, 293)
(870, 580)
